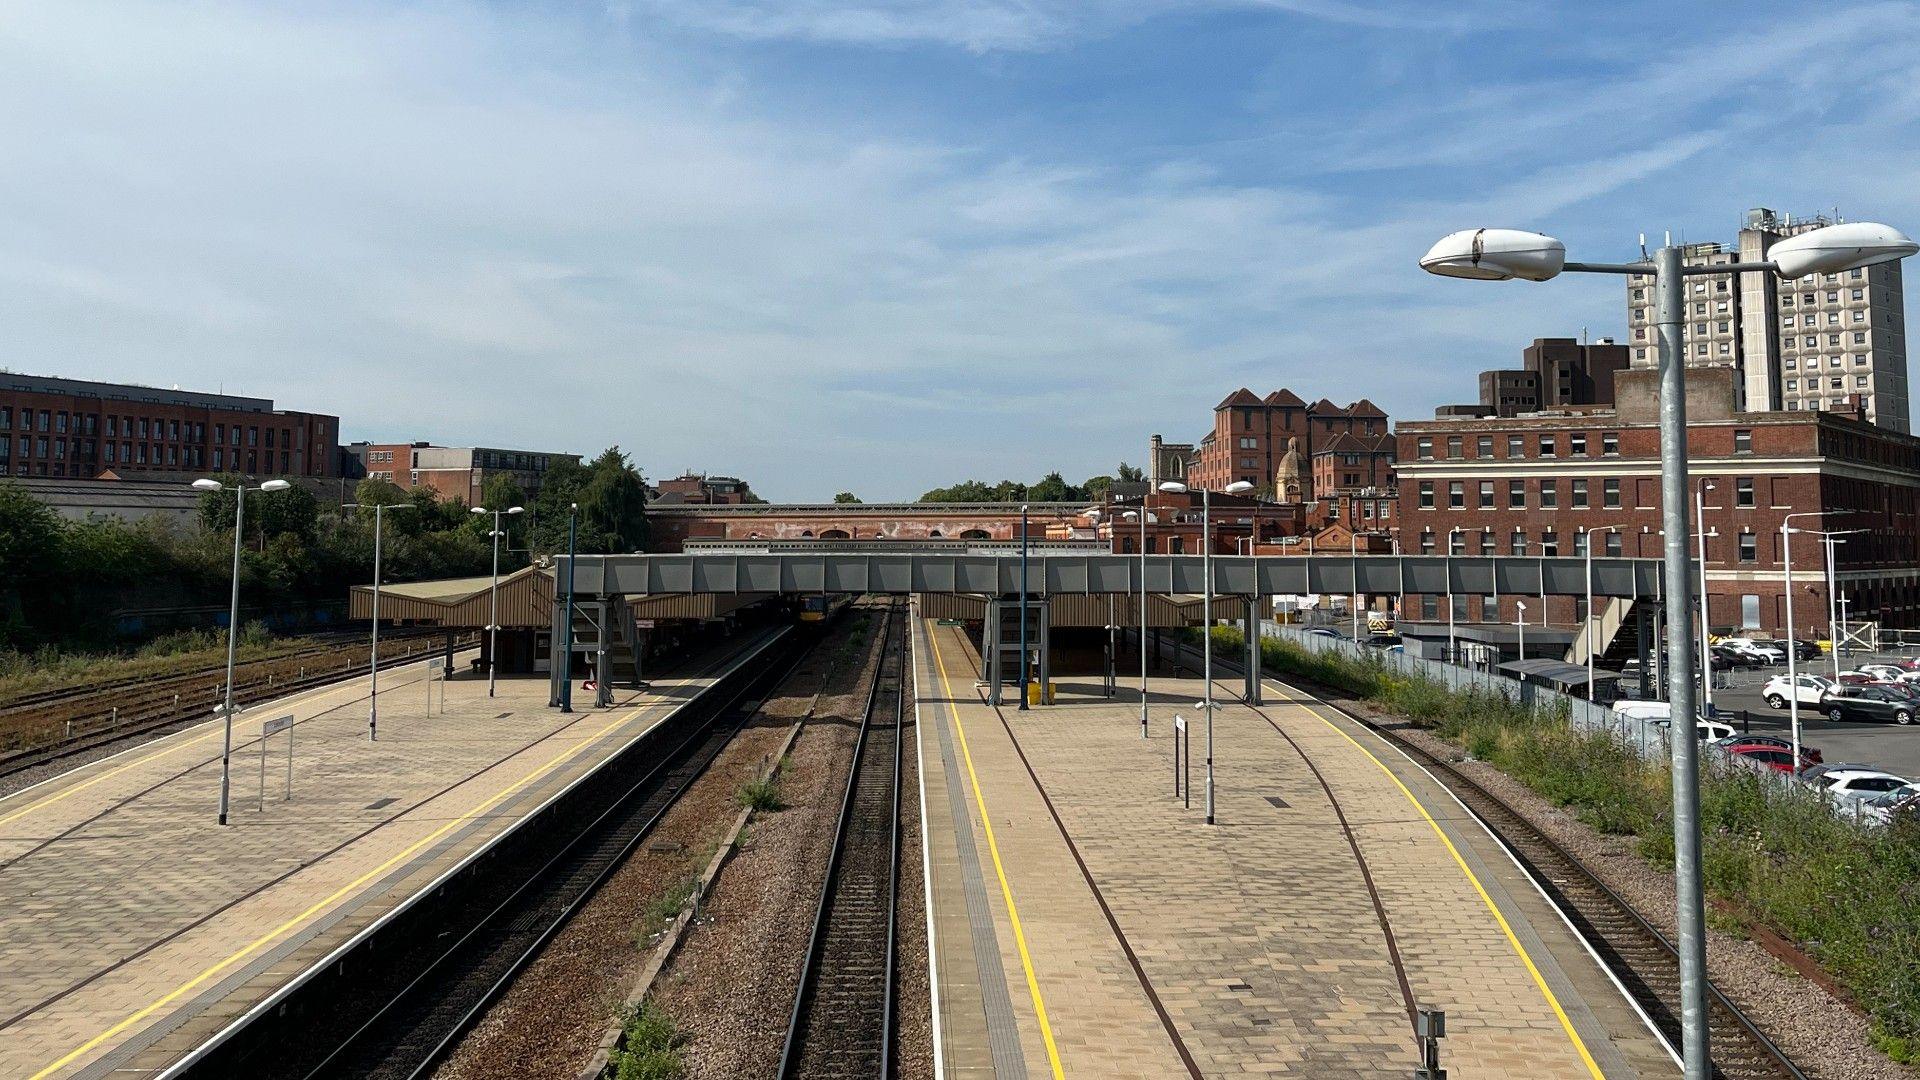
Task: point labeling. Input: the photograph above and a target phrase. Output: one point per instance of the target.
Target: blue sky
(882, 246)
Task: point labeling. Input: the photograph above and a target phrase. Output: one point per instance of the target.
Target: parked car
(1807, 689)
(1644, 710)
(1321, 631)
(1707, 730)
(1850, 702)
(1763, 754)
(1727, 658)
(1880, 671)
(1382, 641)
(1911, 663)
(1855, 678)
(1808, 752)
(1807, 650)
(1859, 783)
(1880, 809)
(1767, 651)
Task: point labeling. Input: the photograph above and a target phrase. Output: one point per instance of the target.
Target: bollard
(1430, 1028)
(69, 729)
(116, 716)
(176, 703)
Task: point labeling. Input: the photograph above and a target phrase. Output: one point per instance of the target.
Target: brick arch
(835, 534)
(975, 534)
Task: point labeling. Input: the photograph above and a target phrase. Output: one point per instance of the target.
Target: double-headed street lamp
(493, 596)
(1830, 538)
(1023, 607)
(1590, 534)
(1793, 645)
(373, 651)
(1506, 254)
(1238, 487)
(233, 619)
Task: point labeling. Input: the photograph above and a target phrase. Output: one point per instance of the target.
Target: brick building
(1237, 523)
(1554, 372)
(1542, 484)
(1251, 436)
(452, 472)
(697, 489)
(56, 427)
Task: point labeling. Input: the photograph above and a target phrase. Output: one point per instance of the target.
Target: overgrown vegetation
(650, 1047)
(762, 795)
(47, 668)
(665, 908)
(63, 579)
(1848, 893)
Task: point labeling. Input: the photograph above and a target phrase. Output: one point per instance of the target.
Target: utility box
(1040, 693)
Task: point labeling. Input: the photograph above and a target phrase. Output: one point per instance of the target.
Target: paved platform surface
(135, 927)
(1087, 924)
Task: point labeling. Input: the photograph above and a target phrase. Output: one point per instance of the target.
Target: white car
(1759, 650)
(1856, 784)
(1806, 688)
(1879, 809)
(1882, 671)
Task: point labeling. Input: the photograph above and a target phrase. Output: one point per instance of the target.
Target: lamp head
(275, 485)
(1131, 515)
(1172, 486)
(1495, 255)
(1238, 487)
(208, 485)
(1847, 246)
(478, 510)
(516, 510)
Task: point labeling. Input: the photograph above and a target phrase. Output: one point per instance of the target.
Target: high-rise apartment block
(1554, 372)
(1814, 343)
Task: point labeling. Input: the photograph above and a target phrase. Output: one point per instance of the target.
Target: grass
(1848, 893)
(650, 1047)
(762, 795)
(48, 668)
(664, 909)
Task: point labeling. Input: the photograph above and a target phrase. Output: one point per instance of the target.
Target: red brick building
(76, 428)
(1251, 435)
(1544, 484)
(453, 472)
(703, 490)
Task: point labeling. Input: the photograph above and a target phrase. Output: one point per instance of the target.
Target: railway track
(1641, 959)
(60, 724)
(842, 1019)
(403, 1003)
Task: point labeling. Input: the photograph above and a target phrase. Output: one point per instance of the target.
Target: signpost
(437, 670)
(269, 728)
(1180, 786)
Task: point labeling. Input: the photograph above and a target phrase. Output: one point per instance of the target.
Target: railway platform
(1085, 923)
(138, 928)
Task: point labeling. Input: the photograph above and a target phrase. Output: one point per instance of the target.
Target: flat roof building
(452, 472)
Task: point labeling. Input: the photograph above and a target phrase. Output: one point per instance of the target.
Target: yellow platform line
(1539, 980)
(274, 934)
(999, 869)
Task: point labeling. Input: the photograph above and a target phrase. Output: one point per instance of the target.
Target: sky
(883, 246)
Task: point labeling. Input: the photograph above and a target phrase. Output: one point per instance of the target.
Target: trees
(846, 497)
(613, 506)
(30, 549)
(1050, 488)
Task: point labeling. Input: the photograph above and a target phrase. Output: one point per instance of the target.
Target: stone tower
(1289, 481)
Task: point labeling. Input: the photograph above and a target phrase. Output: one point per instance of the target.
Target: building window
(1580, 544)
(1577, 442)
(1486, 494)
(1425, 445)
(1613, 543)
(1546, 446)
(1579, 494)
(1426, 494)
(1749, 547)
(1743, 491)
(1517, 543)
(1453, 447)
(1429, 607)
(1610, 444)
(1743, 440)
(1426, 542)
(1516, 494)
(1516, 446)
(1483, 446)
(1610, 494)
(1457, 543)
(1457, 495)
(1549, 543)
(1549, 495)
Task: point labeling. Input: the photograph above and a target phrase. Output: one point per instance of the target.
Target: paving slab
(137, 926)
(1340, 888)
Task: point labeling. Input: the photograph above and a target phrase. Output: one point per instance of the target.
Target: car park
(1858, 783)
(1854, 702)
(1780, 690)
(1808, 752)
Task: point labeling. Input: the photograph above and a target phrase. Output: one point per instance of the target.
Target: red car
(1772, 757)
(1773, 742)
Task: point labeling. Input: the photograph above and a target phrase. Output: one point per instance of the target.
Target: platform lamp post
(1831, 538)
(1353, 568)
(1023, 608)
(1793, 653)
(1452, 650)
(493, 596)
(233, 621)
(565, 659)
(1143, 515)
(1706, 634)
(373, 651)
(1520, 624)
(1238, 487)
(1507, 254)
(1590, 534)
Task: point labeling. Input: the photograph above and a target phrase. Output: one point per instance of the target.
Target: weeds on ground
(664, 909)
(48, 668)
(762, 795)
(650, 1047)
(1849, 893)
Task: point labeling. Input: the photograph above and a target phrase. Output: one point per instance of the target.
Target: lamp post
(565, 658)
(1590, 534)
(493, 597)
(373, 651)
(1834, 622)
(1452, 650)
(1793, 654)
(1238, 487)
(1353, 568)
(1520, 623)
(1706, 649)
(1506, 254)
(1023, 607)
(1143, 515)
(233, 622)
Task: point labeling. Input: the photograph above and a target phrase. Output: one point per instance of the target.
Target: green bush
(1848, 893)
(650, 1049)
(762, 794)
